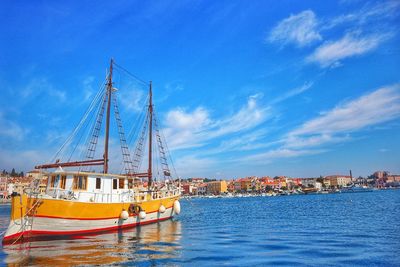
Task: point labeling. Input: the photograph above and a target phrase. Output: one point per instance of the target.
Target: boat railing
(102, 197)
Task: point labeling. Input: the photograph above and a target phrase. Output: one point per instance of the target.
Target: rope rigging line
(133, 133)
(79, 125)
(131, 74)
(126, 156)
(162, 156)
(169, 154)
(92, 139)
(139, 122)
(90, 122)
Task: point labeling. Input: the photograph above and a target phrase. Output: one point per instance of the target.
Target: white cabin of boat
(100, 188)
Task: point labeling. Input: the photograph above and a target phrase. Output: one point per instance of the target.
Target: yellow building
(217, 187)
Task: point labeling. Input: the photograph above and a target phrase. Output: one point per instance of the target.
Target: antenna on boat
(150, 175)
(109, 92)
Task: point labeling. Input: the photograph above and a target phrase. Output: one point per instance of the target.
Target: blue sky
(297, 88)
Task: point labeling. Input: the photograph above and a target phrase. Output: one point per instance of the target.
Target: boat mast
(149, 172)
(109, 92)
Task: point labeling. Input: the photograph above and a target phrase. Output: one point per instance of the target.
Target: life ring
(134, 209)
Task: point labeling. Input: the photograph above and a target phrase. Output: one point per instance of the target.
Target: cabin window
(115, 184)
(130, 183)
(121, 183)
(52, 180)
(80, 182)
(98, 183)
(63, 181)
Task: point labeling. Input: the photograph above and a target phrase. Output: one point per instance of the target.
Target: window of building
(63, 181)
(98, 183)
(121, 183)
(80, 182)
(115, 184)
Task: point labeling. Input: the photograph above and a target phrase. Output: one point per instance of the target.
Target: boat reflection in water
(153, 242)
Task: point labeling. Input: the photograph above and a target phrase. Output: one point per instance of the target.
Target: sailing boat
(81, 200)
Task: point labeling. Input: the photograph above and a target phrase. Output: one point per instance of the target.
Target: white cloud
(132, 100)
(88, 90)
(244, 142)
(246, 118)
(377, 107)
(293, 92)
(189, 165)
(22, 160)
(336, 125)
(330, 53)
(11, 129)
(297, 142)
(279, 153)
(193, 129)
(300, 29)
(39, 86)
(195, 120)
(367, 13)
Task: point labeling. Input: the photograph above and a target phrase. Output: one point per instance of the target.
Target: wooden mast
(109, 92)
(149, 172)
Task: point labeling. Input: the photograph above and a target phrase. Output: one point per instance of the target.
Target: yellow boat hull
(36, 217)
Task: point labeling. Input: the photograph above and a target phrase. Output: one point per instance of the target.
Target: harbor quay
(246, 186)
(283, 185)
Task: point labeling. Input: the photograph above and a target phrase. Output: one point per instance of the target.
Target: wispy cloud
(244, 142)
(364, 31)
(300, 29)
(369, 12)
(88, 90)
(331, 53)
(10, 129)
(39, 86)
(335, 126)
(194, 129)
(265, 157)
(22, 160)
(132, 100)
(188, 165)
(379, 106)
(293, 92)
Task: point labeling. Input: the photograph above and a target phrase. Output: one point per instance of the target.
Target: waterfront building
(34, 174)
(19, 187)
(311, 183)
(197, 180)
(237, 185)
(231, 186)
(269, 183)
(187, 189)
(202, 189)
(338, 180)
(380, 174)
(393, 178)
(327, 182)
(217, 187)
(293, 182)
(3, 187)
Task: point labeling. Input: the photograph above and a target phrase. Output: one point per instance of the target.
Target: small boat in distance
(80, 200)
(355, 189)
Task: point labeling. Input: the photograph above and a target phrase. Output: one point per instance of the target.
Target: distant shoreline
(245, 195)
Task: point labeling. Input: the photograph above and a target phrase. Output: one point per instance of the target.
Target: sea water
(355, 229)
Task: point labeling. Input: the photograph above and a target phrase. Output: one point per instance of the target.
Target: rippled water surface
(337, 229)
